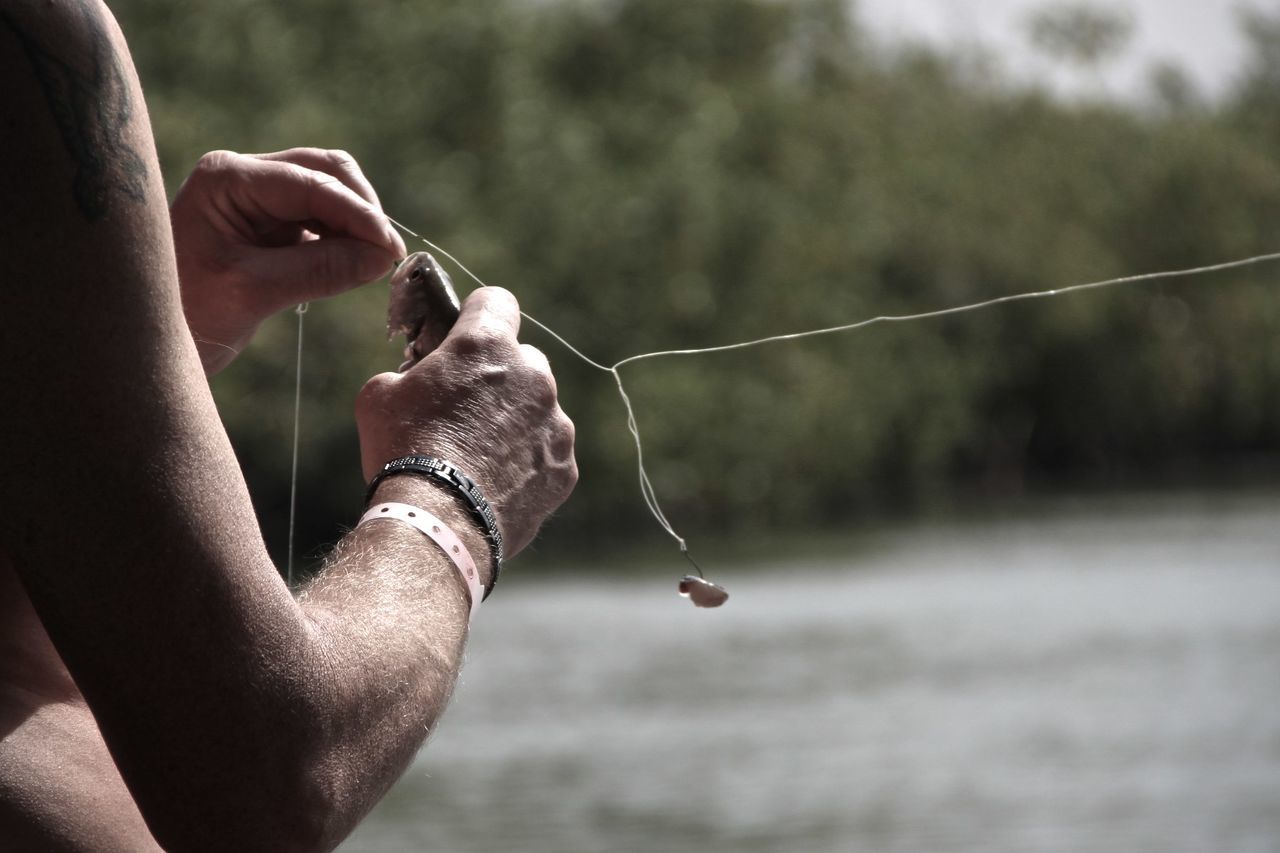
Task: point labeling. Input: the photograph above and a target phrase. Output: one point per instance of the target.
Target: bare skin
(159, 684)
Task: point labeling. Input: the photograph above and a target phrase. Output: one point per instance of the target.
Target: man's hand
(255, 234)
(485, 402)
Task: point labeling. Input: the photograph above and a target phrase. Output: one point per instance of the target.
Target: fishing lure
(702, 592)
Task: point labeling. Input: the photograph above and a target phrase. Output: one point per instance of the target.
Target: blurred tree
(650, 174)
(1256, 103)
(1174, 91)
(1082, 34)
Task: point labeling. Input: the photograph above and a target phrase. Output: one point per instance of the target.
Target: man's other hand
(257, 233)
(485, 402)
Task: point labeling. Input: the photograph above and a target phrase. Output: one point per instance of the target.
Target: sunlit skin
(160, 687)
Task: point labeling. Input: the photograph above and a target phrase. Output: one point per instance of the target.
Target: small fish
(423, 306)
(702, 592)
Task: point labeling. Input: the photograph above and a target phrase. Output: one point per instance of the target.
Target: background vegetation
(648, 174)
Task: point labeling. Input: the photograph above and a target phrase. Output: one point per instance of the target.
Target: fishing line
(959, 309)
(647, 491)
(301, 311)
(646, 486)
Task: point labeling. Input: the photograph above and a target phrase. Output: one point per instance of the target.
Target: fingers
(490, 319)
(376, 416)
(271, 192)
(537, 360)
(314, 269)
(486, 402)
(339, 164)
(487, 329)
(489, 315)
(256, 233)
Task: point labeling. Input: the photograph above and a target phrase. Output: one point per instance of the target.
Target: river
(1099, 675)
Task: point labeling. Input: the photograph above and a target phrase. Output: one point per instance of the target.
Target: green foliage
(1080, 32)
(649, 174)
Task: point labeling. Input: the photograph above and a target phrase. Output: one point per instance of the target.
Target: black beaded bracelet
(466, 488)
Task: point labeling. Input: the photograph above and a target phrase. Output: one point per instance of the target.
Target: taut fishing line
(701, 591)
(301, 311)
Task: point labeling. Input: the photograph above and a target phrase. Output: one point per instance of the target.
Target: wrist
(436, 499)
(438, 532)
(451, 478)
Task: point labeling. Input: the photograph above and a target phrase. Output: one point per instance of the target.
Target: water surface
(1101, 676)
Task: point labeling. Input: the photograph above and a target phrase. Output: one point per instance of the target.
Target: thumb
(316, 269)
(376, 421)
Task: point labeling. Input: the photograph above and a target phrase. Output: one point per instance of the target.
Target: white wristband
(437, 531)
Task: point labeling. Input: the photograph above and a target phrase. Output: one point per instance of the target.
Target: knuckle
(567, 429)
(494, 300)
(214, 165)
(535, 358)
(372, 396)
(570, 479)
(494, 375)
(500, 298)
(213, 161)
(480, 343)
(304, 152)
(340, 158)
(315, 181)
(563, 437)
(541, 387)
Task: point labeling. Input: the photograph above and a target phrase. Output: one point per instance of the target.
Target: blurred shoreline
(1214, 493)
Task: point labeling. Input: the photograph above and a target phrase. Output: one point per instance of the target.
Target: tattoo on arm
(91, 102)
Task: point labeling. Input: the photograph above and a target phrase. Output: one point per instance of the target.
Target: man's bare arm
(238, 719)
